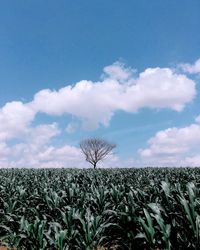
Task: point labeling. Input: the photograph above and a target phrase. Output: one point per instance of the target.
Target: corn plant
(72, 209)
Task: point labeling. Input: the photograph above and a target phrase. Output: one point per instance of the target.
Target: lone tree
(95, 149)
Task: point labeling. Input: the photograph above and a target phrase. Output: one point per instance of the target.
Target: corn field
(68, 209)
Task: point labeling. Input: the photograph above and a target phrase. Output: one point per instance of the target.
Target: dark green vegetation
(89, 209)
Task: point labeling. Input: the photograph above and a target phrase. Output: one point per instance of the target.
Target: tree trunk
(95, 164)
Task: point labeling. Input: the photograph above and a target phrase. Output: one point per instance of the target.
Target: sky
(125, 71)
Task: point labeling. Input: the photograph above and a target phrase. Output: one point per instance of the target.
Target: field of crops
(147, 208)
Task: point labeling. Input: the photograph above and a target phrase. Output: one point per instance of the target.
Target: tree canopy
(96, 149)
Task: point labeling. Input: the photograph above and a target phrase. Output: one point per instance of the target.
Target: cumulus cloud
(42, 134)
(191, 68)
(95, 103)
(118, 71)
(15, 117)
(159, 88)
(33, 155)
(174, 146)
(47, 156)
(4, 150)
(197, 119)
(36, 150)
(193, 161)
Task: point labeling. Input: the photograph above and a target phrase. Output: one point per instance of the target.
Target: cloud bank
(93, 103)
(174, 147)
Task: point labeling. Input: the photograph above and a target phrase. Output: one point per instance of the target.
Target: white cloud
(191, 68)
(197, 119)
(50, 156)
(4, 150)
(159, 88)
(36, 150)
(42, 134)
(118, 71)
(193, 161)
(95, 103)
(15, 117)
(35, 141)
(173, 146)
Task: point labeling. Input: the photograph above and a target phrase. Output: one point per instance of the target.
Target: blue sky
(140, 63)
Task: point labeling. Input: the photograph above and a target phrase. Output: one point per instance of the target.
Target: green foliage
(69, 209)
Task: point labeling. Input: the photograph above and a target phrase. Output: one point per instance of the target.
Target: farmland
(150, 208)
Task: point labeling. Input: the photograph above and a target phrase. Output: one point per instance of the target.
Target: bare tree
(95, 149)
